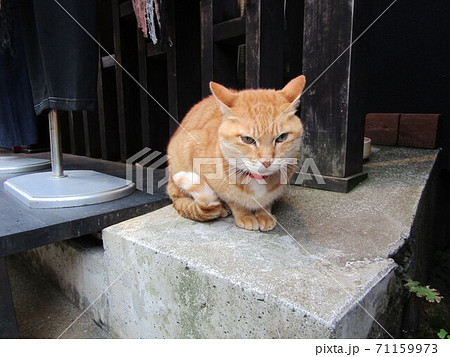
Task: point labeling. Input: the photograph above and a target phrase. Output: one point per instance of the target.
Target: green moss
(190, 296)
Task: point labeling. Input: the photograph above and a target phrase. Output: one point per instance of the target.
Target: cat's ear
(293, 90)
(225, 97)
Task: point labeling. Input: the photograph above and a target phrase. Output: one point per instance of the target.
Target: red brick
(418, 130)
(382, 128)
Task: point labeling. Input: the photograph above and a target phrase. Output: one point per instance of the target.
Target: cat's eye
(248, 140)
(282, 138)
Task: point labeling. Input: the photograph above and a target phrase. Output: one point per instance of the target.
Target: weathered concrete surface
(77, 267)
(374, 219)
(325, 271)
(182, 280)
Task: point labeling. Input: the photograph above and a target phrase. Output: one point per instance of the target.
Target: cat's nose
(266, 163)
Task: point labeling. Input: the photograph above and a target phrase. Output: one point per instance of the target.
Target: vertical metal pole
(55, 145)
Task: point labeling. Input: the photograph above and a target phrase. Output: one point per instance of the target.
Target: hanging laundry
(140, 12)
(158, 12)
(6, 23)
(150, 16)
(62, 58)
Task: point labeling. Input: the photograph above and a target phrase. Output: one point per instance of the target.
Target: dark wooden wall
(208, 38)
(128, 119)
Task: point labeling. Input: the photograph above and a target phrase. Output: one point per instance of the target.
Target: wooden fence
(139, 105)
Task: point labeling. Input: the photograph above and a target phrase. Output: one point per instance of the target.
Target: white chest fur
(258, 187)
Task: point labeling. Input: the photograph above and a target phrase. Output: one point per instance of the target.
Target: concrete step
(331, 268)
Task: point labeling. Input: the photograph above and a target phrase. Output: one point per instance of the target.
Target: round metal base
(15, 164)
(78, 188)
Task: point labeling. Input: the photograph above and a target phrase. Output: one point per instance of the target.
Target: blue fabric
(62, 58)
(17, 117)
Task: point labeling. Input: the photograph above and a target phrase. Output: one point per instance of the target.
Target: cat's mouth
(256, 176)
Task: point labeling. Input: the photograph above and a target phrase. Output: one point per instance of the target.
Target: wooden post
(264, 45)
(119, 81)
(332, 109)
(253, 44)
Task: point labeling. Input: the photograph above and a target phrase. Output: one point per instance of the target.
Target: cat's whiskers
(284, 174)
(296, 168)
(232, 170)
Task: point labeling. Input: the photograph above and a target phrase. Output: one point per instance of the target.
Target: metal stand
(73, 188)
(55, 145)
(15, 164)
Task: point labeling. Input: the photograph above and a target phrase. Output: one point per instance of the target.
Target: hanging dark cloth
(6, 23)
(17, 118)
(62, 58)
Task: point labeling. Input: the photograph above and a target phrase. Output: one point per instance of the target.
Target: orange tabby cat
(235, 151)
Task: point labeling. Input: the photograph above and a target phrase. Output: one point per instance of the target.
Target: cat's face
(260, 130)
(260, 136)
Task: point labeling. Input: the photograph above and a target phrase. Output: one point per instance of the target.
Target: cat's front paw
(247, 221)
(266, 221)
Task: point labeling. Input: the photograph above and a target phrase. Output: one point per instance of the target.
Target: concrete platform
(325, 271)
(329, 269)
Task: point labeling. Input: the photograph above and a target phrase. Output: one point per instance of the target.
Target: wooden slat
(64, 128)
(252, 40)
(294, 39)
(72, 133)
(8, 325)
(225, 65)
(225, 10)
(229, 29)
(271, 44)
(126, 9)
(143, 97)
(101, 114)
(187, 19)
(86, 128)
(77, 145)
(206, 38)
(154, 50)
(119, 81)
(172, 71)
(91, 134)
(158, 119)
